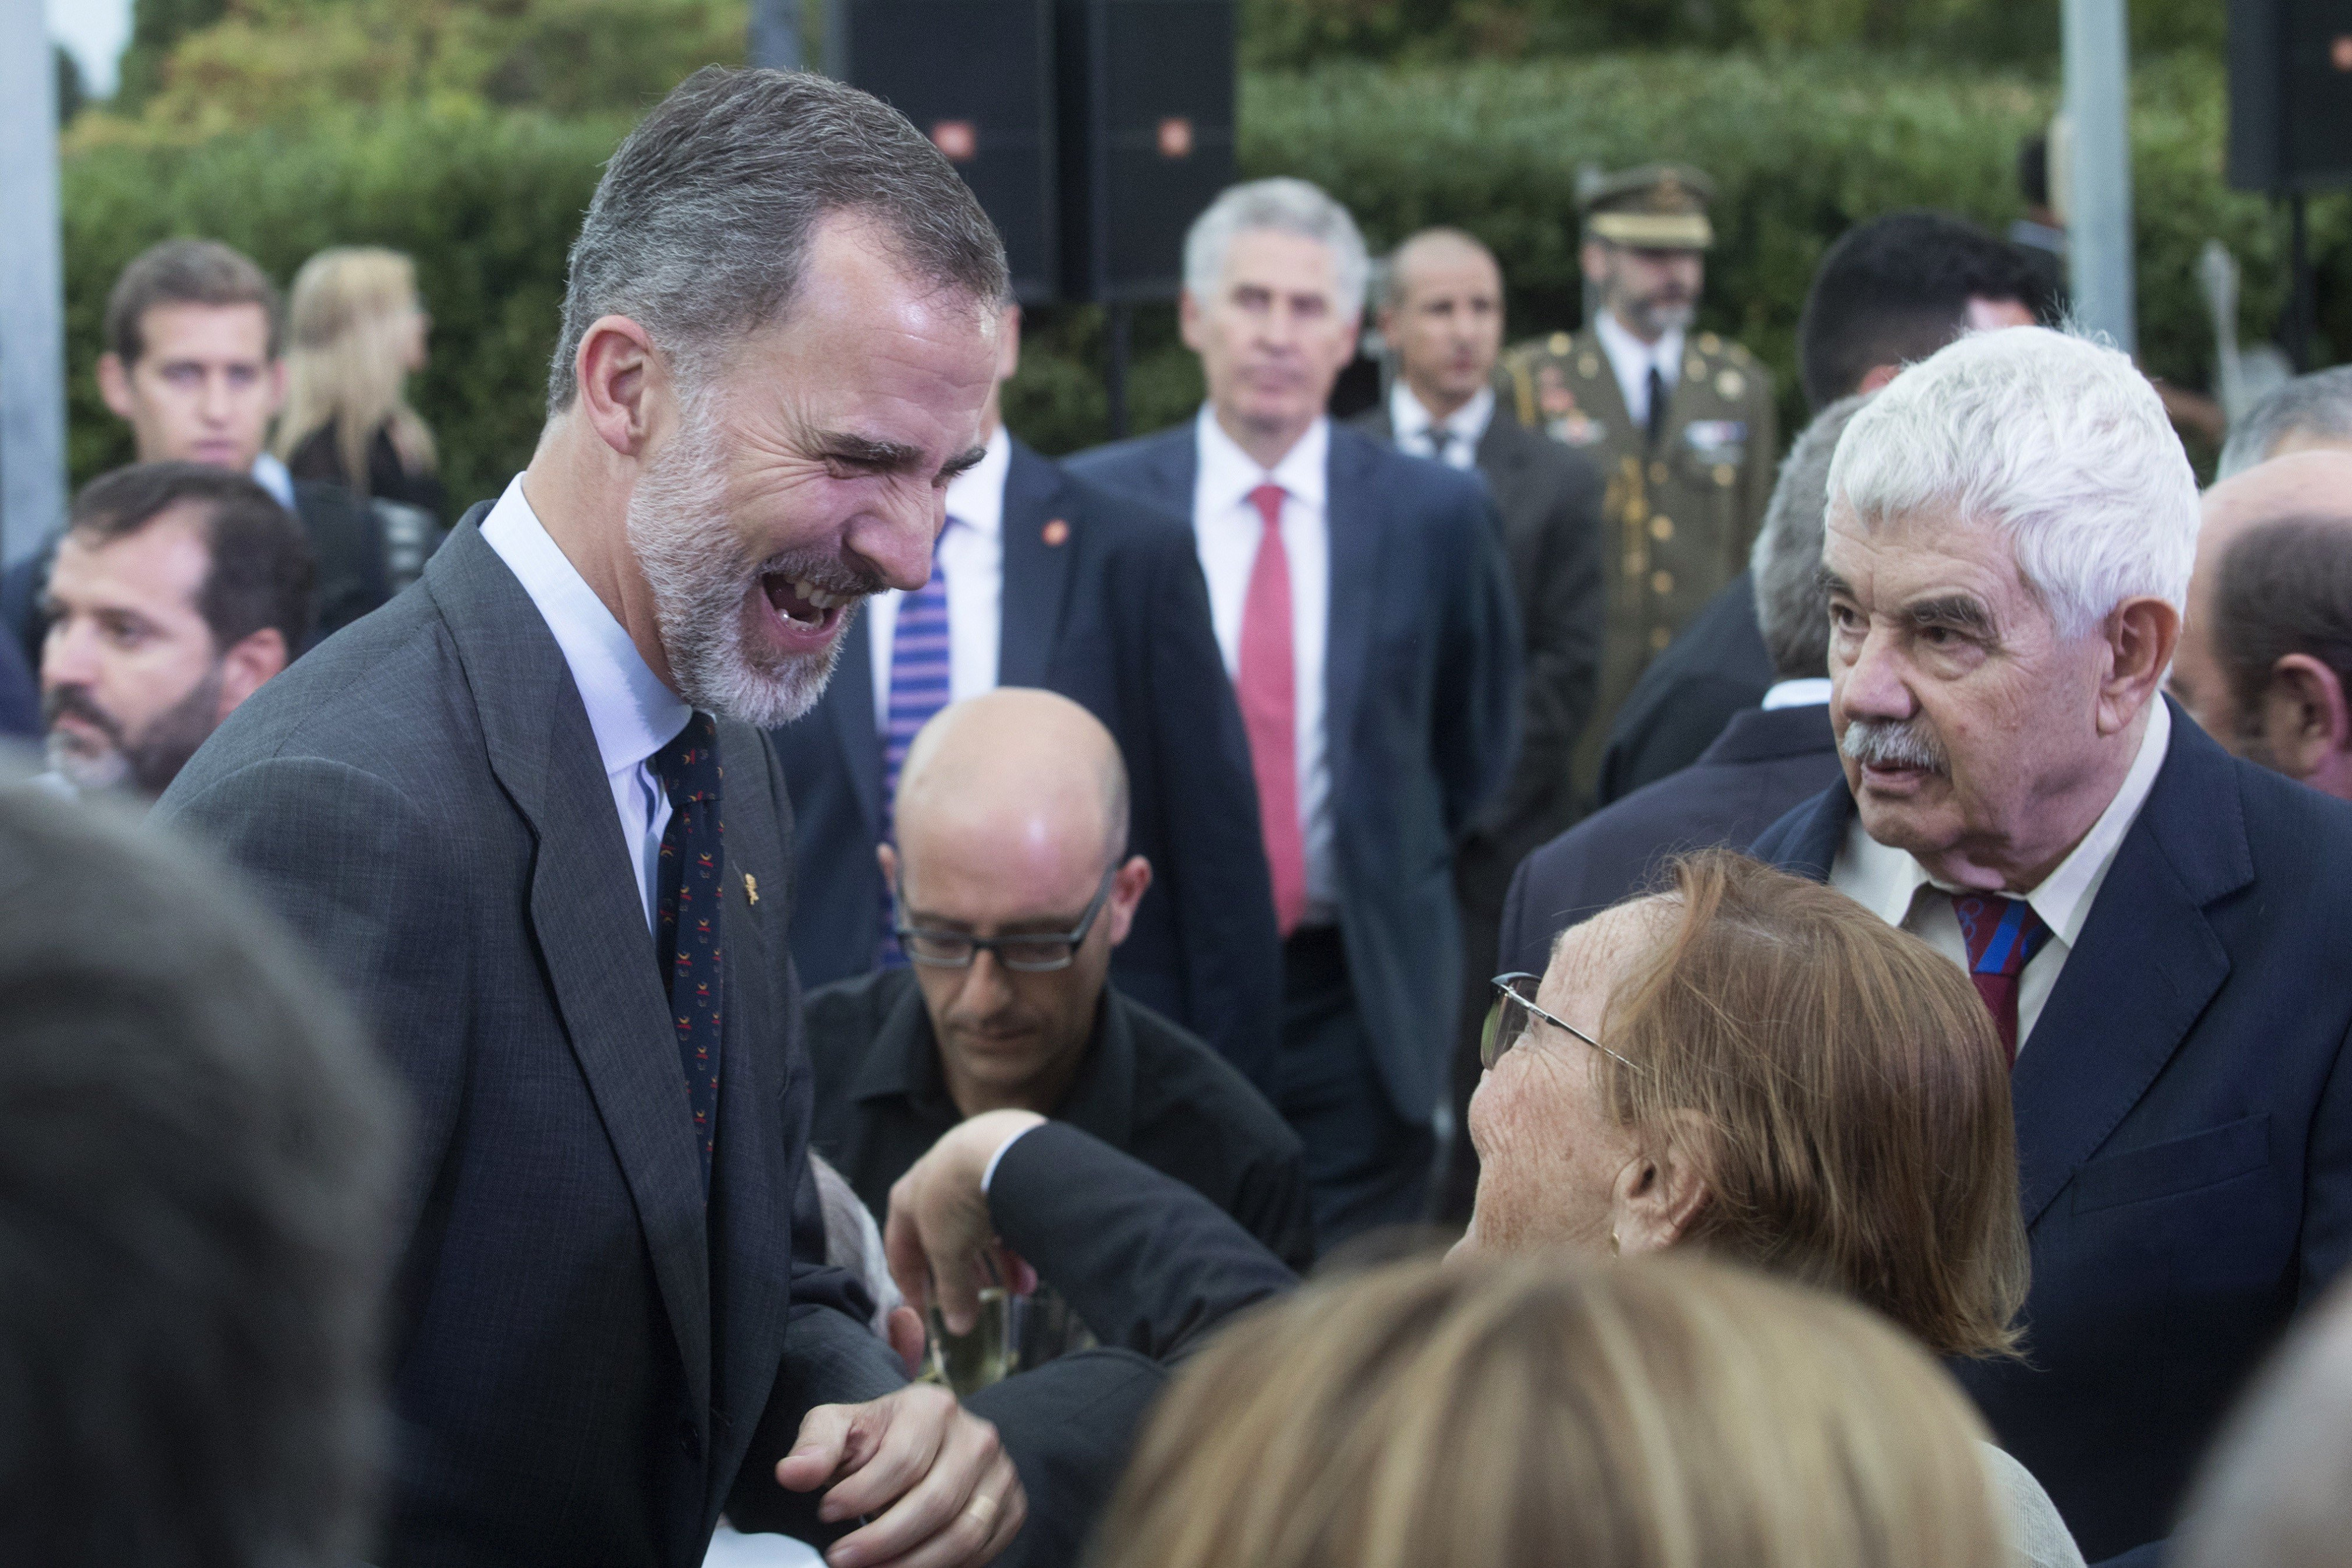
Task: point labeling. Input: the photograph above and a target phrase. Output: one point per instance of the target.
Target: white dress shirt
(972, 559)
(1898, 889)
(1803, 691)
(1410, 419)
(631, 712)
(1631, 358)
(1227, 527)
(272, 476)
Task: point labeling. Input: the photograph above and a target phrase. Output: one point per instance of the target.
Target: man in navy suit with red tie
(1363, 609)
(2154, 926)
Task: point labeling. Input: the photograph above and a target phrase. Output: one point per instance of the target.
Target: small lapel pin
(751, 887)
(1055, 534)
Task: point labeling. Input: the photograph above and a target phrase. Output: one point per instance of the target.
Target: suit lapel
(849, 708)
(1037, 557)
(2146, 966)
(1358, 527)
(587, 918)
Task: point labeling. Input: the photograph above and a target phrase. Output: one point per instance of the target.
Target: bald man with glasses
(1013, 883)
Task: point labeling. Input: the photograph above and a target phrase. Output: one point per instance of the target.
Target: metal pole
(2300, 312)
(32, 305)
(1121, 329)
(776, 33)
(2099, 224)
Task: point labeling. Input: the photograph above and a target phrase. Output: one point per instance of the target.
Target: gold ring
(984, 1506)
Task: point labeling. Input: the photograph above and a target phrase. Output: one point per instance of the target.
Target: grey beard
(147, 761)
(1889, 743)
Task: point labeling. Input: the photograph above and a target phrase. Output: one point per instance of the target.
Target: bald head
(1025, 776)
(1435, 250)
(1442, 314)
(2309, 485)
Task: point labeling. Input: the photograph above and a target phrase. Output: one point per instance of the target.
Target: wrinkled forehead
(1885, 560)
(1283, 262)
(1593, 956)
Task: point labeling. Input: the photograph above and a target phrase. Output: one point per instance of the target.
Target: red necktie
(2002, 935)
(1268, 687)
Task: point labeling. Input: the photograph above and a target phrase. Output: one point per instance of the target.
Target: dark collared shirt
(1147, 1087)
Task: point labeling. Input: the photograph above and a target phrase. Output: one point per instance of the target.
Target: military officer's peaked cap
(1658, 206)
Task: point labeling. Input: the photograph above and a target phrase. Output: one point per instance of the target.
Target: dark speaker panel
(2290, 95)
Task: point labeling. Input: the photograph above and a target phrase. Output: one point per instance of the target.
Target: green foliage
(1801, 146)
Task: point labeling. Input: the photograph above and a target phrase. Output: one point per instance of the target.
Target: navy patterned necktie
(687, 930)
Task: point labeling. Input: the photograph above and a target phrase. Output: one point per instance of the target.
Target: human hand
(939, 1240)
(937, 1476)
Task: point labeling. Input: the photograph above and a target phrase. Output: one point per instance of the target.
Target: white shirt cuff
(988, 1172)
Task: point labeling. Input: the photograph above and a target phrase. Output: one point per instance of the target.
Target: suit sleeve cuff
(988, 1172)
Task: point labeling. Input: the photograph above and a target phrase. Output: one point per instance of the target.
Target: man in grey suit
(1442, 315)
(526, 814)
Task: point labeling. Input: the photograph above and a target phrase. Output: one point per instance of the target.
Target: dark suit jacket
(1717, 666)
(2184, 1130)
(1549, 496)
(1116, 618)
(1758, 767)
(20, 694)
(1147, 1086)
(1421, 680)
(580, 1354)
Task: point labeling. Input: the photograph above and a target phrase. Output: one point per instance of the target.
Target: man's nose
(1874, 685)
(896, 539)
(987, 985)
(69, 656)
(213, 402)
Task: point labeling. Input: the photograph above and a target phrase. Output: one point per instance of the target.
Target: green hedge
(1800, 147)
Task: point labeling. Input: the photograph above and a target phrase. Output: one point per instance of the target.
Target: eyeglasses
(1514, 1012)
(1028, 953)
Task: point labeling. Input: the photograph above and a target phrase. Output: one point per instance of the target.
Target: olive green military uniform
(1678, 517)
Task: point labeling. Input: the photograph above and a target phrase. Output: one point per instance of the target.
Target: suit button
(1662, 529)
(1659, 638)
(1662, 582)
(1657, 473)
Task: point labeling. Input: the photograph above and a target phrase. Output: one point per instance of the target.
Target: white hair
(1286, 206)
(2052, 438)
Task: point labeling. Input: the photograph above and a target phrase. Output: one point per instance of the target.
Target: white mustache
(1891, 743)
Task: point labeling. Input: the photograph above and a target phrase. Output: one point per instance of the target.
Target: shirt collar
(976, 496)
(1886, 880)
(903, 1063)
(272, 476)
(633, 714)
(1408, 416)
(1228, 474)
(1802, 692)
(1626, 350)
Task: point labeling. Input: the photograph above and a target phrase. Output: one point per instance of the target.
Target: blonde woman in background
(1526, 1412)
(356, 333)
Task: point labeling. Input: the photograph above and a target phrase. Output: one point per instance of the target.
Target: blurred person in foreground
(177, 590)
(1745, 1066)
(2283, 636)
(1362, 603)
(1890, 291)
(2272, 1493)
(197, 1163)
(356, 333)
(2152, 923)
(1041, 579)
(530, 817)
(1441, 316)
(1768, 758)
(1537, 1411)
(2311, 485)
(1680, 424)
(2310, 414)
(1013, 883)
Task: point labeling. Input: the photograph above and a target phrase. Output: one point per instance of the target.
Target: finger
(935, 1505)
(902, 1246)
(1019, 1278)
(957, 1279)
(991, 1518)
(905, 1334)
(824, 1446)
(912, 1426)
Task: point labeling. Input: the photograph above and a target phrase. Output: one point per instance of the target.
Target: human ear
(2303, 714)
(1127, 890)
(115, 384)
(887, 859)
(2141, 635)
(620, 380)
(1661, 1190)
(1188, 320)
(251, 660)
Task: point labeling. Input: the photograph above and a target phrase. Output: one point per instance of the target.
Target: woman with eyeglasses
(1745, 1065)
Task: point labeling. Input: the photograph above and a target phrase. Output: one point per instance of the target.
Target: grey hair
(1286, 206)
(2317, 405)
(703, 219)
(1792, 607)
(2053, 439)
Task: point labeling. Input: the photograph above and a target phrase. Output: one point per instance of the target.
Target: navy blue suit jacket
(1420, 701)
(2184, 1130)
(1116, 618)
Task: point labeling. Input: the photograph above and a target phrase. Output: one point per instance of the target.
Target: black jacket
(1147, 1087)
(1717, 667)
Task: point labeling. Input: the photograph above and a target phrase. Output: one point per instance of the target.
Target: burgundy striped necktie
(2003, 934)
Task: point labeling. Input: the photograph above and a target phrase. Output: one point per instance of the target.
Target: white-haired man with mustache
(2153, 925)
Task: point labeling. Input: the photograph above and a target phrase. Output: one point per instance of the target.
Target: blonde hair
(1532, 1411)
(342, 361)
(1852, 1092)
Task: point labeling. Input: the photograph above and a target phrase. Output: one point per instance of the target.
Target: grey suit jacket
(580, 1352)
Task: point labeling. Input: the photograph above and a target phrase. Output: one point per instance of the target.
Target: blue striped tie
(919, 671)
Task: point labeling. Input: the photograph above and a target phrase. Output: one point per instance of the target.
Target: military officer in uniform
(1680, 423)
